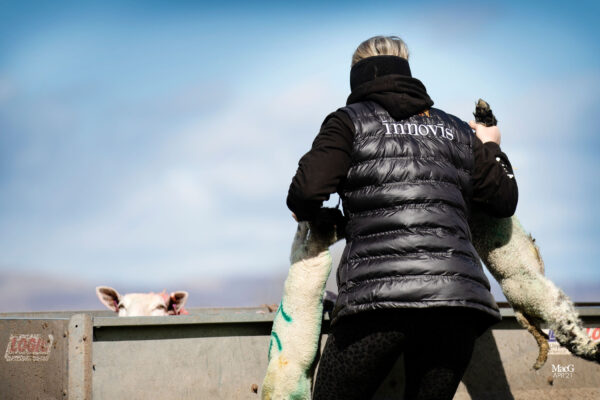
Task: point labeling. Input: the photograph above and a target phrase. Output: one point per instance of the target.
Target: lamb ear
(109, 297)
(178, 300)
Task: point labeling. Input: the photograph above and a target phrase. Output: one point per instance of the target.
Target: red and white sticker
(32, 347)
(557, 349)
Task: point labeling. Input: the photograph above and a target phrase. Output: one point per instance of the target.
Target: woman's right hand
(486, 133)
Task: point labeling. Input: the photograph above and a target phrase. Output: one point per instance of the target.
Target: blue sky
(156, 141)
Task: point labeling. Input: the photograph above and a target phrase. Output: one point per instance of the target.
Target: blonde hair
(380, 46)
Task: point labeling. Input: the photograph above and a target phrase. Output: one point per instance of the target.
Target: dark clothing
(323, 169)
(366, 71)
(406, 197)
(362, 349)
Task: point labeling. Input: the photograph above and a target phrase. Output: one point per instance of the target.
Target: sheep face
(142, 304)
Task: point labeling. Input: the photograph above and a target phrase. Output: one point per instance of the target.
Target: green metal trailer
(221, 353)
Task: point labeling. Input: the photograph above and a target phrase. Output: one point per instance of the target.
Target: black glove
(327, 220)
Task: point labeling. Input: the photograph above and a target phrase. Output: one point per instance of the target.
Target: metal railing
(221, 353)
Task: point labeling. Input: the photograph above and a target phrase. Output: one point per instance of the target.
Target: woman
(408, 176)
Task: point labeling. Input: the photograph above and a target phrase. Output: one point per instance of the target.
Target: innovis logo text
(395, 128)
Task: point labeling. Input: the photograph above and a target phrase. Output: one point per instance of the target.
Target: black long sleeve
(495, 189)
(323, 170)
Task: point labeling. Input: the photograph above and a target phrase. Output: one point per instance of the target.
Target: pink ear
(109, 297)
(177, 302)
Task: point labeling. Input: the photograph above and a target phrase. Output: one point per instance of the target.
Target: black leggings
(361, 350)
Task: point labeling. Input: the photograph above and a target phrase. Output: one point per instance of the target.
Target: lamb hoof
(539, 364)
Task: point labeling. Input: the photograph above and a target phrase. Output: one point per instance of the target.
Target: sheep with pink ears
(143, 304)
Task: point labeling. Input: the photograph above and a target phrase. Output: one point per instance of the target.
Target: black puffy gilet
(406, 196)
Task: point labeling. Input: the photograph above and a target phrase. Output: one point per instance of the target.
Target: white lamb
(297, 323)
(142, 304)
(514, 260)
